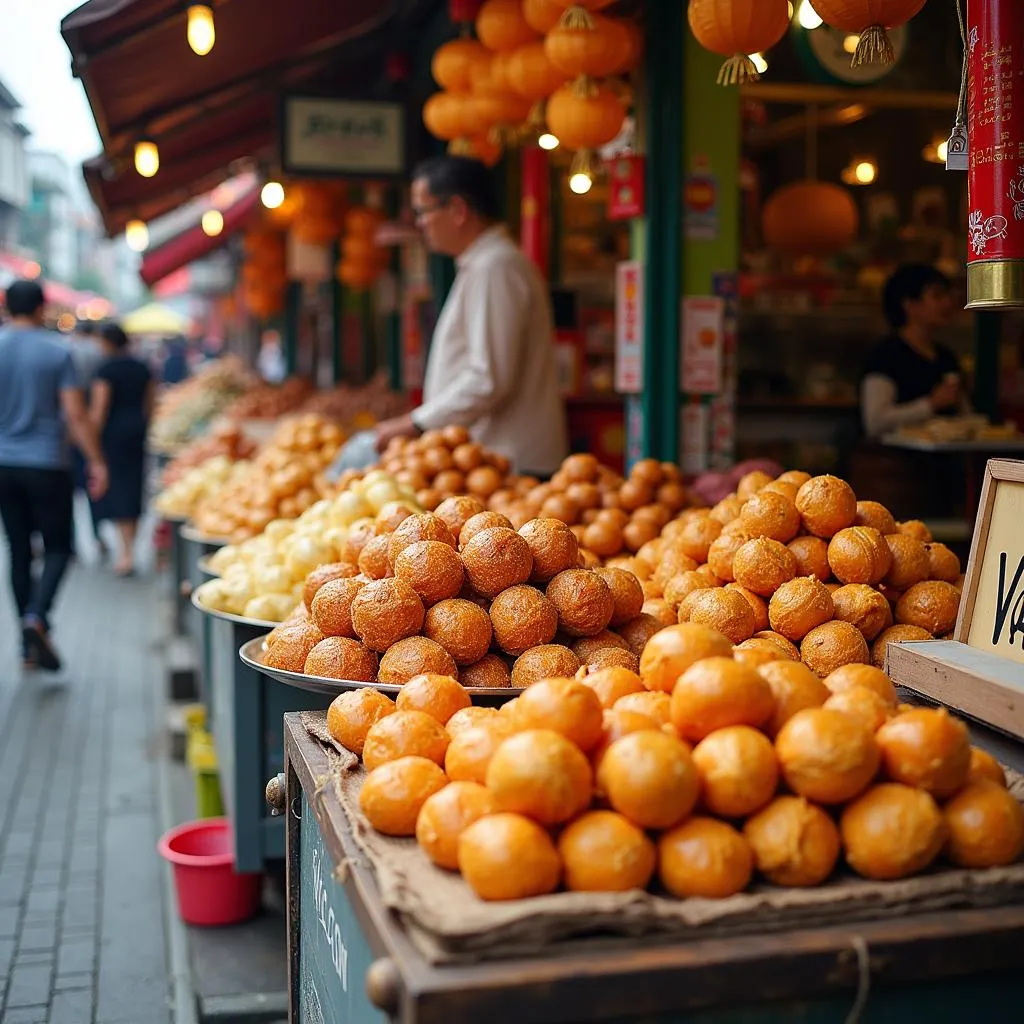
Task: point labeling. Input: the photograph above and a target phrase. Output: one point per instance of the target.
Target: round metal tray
(189, 532)
(174, 520)
(241, 620)
(251, 653)
(203, 564)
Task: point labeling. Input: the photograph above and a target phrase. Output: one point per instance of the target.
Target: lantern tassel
(584, 87)
(874, 47)
(460, 147)
(577, 18)
(739, 68)
(584, 162)
(537, 118)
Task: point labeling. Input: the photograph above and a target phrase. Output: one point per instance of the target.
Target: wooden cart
(351, 961)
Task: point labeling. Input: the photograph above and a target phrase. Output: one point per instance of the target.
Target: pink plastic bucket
(209, 890)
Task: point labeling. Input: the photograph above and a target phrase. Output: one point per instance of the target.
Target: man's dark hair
(86, 327)
(451, 176)
(908, 282)
(25, 298)
(114, 335)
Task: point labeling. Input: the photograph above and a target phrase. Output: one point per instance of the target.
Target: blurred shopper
(87, 354)
(492, 358)
(270, 361)
(120, 407)
(175, 368)
(40, 400)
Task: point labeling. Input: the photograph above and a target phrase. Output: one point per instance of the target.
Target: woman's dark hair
(908, 282)
(25, 298)
(451, 176)
(114, 335)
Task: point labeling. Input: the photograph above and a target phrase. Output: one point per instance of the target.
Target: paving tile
(75, 980)
(26, 1015)
(29, 986)
(71, 1008)
(10, 917)
(79, 955)
(33, 940)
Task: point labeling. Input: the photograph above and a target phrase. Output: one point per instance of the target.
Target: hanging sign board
(337, 136)
(981, 670)
(629, 328)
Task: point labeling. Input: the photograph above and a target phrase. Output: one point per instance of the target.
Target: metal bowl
(251, 654)
(189, 532)
(203, 564)
(241, 620)
(174, 520)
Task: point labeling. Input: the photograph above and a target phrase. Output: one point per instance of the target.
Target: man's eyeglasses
(419, 212)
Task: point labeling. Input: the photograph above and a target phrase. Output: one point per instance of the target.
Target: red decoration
(397, 66)
(626, 196)
(995, 128)
(463, 10)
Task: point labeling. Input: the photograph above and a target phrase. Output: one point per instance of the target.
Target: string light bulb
(850, 43)
(581, 183)
(548, 141)
(808, 17)
(759, 62)
(213, 223)
(272, 195)
(136, 235)
(200, 32)
(147, 158)
(860, 171)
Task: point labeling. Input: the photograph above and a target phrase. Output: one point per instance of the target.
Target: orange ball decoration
(595, 51)
(453, 62)
(501, 25)
(542, 15)
(810, 218)
(736, 28)
(531, 74)
(585, 122)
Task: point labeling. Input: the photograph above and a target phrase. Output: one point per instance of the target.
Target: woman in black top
(120, 407)
(909, 377)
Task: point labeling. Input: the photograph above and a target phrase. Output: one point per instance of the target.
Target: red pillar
(535, 209)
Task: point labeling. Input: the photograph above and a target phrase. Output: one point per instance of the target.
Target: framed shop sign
(330, 136)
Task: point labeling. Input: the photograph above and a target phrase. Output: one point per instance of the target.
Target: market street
(82, 926)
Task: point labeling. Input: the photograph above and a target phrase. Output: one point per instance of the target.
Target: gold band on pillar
(995, 284)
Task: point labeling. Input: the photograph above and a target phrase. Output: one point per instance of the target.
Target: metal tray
(203, 564)
(189, 532)
(228, 617)
(251, 652)
(168, 518)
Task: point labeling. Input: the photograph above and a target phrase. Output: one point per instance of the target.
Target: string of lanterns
(362, 259)
(264, 272)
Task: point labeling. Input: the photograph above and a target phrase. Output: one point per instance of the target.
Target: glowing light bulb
(865, 172)
(147, 158)
(808, 17)
(942, 150)
(580, 183)
(850, 43)
(136, 235)
(213, 223)
(759, 62)
(548, 141)
(272, 195)
(200, 32)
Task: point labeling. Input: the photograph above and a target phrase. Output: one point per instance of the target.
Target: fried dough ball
(508, 857)
(795, 688)
(826, 505)
(432, 568)
(461, 627)
(915, 528)
(586, 647)
(910, 563)
(769, 514)
(423, 526)
(719, 692)
(627, 594)
(680, 586)
(829, 646)
(864, 607)
(414, 656)
(871, 513)
(446, 815)
(985, 766)
(811, 554)
(751, 483)
(895, 635)
(338, 657)
(863, 704)
(738, 771)
(672, 650)
(548, 661)
(943, 564)
(496, 559)
(435, 694)
(392, 796)
(331, 609)
(553, 545)
(522, 617)
(458, 510)
(479, 522)
(490, 672)
(638, 631)
(932, 605)
(661, 611)
(351, 714)
(985, 825)
(763, 565)
(928, 749)
(291, 647)
(611, 657)
(335, 571)
(386, 611)
(755, 653)
(373, 559)
(799, 606)
(795, 843)
(725, 610)
(697, 536)
(847, 677)
(584, 602)
(859, 554)
(405, 734)
(704, 857)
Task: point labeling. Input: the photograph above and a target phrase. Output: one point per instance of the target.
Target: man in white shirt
(492, 360)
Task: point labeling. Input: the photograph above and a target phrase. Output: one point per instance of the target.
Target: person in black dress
(120, 408)
(910, 377)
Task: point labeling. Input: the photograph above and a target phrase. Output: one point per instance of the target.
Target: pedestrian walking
(41, 402)
(120, 407)
(87, 354)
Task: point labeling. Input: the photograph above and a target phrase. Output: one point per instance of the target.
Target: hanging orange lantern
(578, 13)
(869, 19)
(452, 62)
(361, 220)
(497, 106)
(542, 15)
(501, 26)
(446, 114)
(484, 149)
(585, 121)
(737, 28)
(594, 52)
(531, 74)
(810, 218)
(633, 48)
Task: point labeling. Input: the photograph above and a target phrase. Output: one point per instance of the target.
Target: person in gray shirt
(41, 402)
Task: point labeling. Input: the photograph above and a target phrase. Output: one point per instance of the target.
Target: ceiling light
(136, 235)
(548, 141)
(272, 195)
(200, 32)
(213, 223)
(581, 183)
(147, 158)
(808, 17)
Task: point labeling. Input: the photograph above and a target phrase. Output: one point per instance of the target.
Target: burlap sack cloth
(449, 924)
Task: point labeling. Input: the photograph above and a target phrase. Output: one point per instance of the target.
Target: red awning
(142, 80)
(194, 243)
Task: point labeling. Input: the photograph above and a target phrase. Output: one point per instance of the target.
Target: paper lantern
(531, 74)
(484, 149)
(501, 26)
(869, 19)
(810, 218)
(736, 28)
(578, 13)
(361, 220)
(452, 62)
(446, 115)
(585, 121)
(542, 15)
(595, 51)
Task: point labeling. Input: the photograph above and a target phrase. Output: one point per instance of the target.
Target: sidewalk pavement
(82, 915)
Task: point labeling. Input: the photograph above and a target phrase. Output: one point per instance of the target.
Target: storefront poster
(703, 326)
(693, 429)
(626, 197)
(629, 328)
(700, 206)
